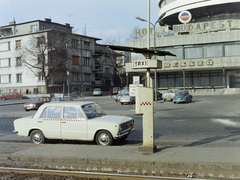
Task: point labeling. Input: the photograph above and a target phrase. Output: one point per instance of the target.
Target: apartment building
(46, 57)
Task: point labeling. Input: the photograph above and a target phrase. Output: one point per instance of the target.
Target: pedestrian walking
(110, 92)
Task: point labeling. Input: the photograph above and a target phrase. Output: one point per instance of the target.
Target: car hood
(113, 119)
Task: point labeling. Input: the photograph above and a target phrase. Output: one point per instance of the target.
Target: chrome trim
(128, 132)
(15, 131)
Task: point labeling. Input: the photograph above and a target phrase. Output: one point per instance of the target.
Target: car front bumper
(124, 134)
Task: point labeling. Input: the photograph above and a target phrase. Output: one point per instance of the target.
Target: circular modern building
(205, 37)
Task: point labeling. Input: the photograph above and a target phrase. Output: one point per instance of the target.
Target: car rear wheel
(37, 137)
(104, 138)
(4, 99)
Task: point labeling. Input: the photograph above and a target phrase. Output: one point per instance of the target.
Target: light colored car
(97, 92)
(125, 98)
(168, 96)
(73, 121)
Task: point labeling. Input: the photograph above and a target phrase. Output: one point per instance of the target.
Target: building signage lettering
(140, 63)
(203, 26)
(209, 62)
(191, 27)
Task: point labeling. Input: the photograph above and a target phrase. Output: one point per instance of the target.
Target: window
(75, 60)
(41, 41)
(213, 51)
(86, 61)
(18, 44)
(6, 46)
(40, 77)
(5, 62)
(193, 52)
(232, 50)
(76, 77)
(42, 27)
(75, 43)
(86, 45)
(18, 61)
(19, 78)
(87, 77)
(9, 78)
(52, 112)
(34, 28)
(72, 113)
(41, 59)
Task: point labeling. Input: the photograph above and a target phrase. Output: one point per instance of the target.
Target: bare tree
(45, 54)
(133, 36)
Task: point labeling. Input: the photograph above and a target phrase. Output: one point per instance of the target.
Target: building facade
(39, 54)
(204, 36)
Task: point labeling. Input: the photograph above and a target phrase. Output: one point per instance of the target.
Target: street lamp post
(154, 25)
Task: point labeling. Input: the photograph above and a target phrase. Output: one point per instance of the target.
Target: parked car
(115, 90)
(73, 121)
(120, 93)
(11, 95)
(168, 96)
(58, 99)
(126, 98)
(35, 103)
(182, 96)
(97, 92)
(159, 95)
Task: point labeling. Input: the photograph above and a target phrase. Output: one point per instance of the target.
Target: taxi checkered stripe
(53, 119)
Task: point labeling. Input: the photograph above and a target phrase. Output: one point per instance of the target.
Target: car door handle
(63, 121)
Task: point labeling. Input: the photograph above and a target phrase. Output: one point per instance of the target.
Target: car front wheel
(37, 137)
(104, 138)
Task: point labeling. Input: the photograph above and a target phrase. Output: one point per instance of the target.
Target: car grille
(126, 125)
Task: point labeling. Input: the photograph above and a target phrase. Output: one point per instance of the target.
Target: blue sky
(109, 20)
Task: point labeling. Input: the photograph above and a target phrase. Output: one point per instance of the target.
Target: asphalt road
(207, 121)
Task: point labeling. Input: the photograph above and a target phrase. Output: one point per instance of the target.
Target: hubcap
(37, 138)
(103, 139)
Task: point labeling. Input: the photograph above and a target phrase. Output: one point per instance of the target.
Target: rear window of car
(52, 112)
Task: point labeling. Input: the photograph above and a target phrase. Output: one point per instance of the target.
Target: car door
(73, 123)
(50, 121)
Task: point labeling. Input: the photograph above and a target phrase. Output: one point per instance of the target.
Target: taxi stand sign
(144, 105)
(147, 64)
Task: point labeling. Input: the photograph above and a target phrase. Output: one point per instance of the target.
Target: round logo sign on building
(185, 17)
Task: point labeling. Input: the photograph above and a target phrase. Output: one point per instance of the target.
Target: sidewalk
(214, 163)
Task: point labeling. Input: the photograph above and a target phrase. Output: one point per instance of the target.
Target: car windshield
(56, 99)
(92, 110)
(180, 92)
(126, 94)
(96, 89)
(36, 99)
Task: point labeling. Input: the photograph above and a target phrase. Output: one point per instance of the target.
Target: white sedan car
(168, 96)
(74, 121)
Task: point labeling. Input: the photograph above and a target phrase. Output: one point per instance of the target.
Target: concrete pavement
(215, 160)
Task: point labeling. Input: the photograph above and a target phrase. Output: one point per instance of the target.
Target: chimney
(47, 20)
(67, 24)
(13, 22)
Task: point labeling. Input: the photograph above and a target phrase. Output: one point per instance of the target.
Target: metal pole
(184, 79)
(223, 78)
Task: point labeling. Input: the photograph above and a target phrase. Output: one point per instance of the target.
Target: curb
(193, 170)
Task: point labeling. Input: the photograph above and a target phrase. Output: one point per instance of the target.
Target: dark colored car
(11, 95)
(35, 103)
(182, 96)
(115, 90)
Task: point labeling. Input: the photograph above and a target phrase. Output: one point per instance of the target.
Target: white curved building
(204, 35)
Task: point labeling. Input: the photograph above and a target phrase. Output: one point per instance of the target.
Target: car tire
(164, 100)
(104, 138)
(26, 109)
(4, 99)
(37, 137)
(121, 103)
